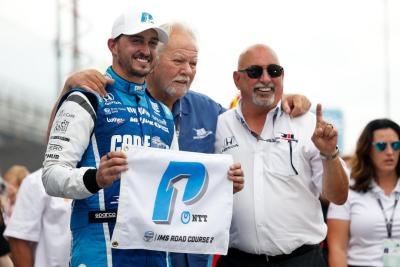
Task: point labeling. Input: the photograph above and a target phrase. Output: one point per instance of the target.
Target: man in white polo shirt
(288, 162)
(38, 230)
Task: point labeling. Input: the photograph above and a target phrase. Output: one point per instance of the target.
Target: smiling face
(385, 161)
(176, 67)
(262, 92)
(133, 55)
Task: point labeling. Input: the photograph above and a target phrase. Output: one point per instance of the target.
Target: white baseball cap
(136, 22)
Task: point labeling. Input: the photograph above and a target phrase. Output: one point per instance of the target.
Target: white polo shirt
(42, 219)
(367, 224)
(278, 210)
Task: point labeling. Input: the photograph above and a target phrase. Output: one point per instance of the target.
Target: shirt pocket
(281, 159)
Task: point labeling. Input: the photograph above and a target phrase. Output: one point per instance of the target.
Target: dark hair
(362, 170)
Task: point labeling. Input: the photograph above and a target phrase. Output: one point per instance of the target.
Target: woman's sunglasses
(255, 71)
(381, 146)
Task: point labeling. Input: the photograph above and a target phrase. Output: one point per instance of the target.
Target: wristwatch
(330, 157)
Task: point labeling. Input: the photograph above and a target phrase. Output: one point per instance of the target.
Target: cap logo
(147, 18)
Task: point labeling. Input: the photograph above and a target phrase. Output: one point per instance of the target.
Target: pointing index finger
(318, 113)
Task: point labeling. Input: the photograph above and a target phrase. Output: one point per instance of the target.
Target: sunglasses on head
(381, 146)
(256, 71)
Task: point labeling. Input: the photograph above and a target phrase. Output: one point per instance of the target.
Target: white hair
(180, 27)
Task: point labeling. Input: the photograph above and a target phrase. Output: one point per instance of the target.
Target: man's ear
(112, 43)
(236, 78)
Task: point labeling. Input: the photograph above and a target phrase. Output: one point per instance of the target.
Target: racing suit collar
(124, 85)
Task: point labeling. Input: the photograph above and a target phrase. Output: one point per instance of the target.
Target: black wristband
(89, 180)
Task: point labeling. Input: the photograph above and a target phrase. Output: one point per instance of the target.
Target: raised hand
(325, 134)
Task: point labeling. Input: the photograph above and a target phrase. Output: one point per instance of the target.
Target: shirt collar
(176, 108)
(180, 107)
(376, 189)
(239, 116)
(275, 112)
(278, 109)
(397, 188)
(124, 85)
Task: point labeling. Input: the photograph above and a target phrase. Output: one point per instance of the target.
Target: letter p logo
(195, 188)
(146, 17)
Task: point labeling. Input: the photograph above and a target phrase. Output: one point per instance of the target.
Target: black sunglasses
(381, 146)
(255, 71)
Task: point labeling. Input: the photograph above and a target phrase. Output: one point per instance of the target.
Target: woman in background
(357, 229)
(13, 178)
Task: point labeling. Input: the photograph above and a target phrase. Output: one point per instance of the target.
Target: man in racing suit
(84, 160)
(195, 114)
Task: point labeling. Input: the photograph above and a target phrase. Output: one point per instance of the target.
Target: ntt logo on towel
(185, 217)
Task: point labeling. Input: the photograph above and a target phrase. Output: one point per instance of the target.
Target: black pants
(311, 258)
(189, 260)
(4, 247)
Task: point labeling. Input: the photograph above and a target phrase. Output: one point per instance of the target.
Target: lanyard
(389, 223)
(254, 134)
(288, 137)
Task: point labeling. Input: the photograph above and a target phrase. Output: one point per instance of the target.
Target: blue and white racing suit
(85, 128)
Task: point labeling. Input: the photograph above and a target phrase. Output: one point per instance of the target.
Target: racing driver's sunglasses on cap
(255, 71)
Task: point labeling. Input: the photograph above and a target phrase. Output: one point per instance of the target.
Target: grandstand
(23, 126)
